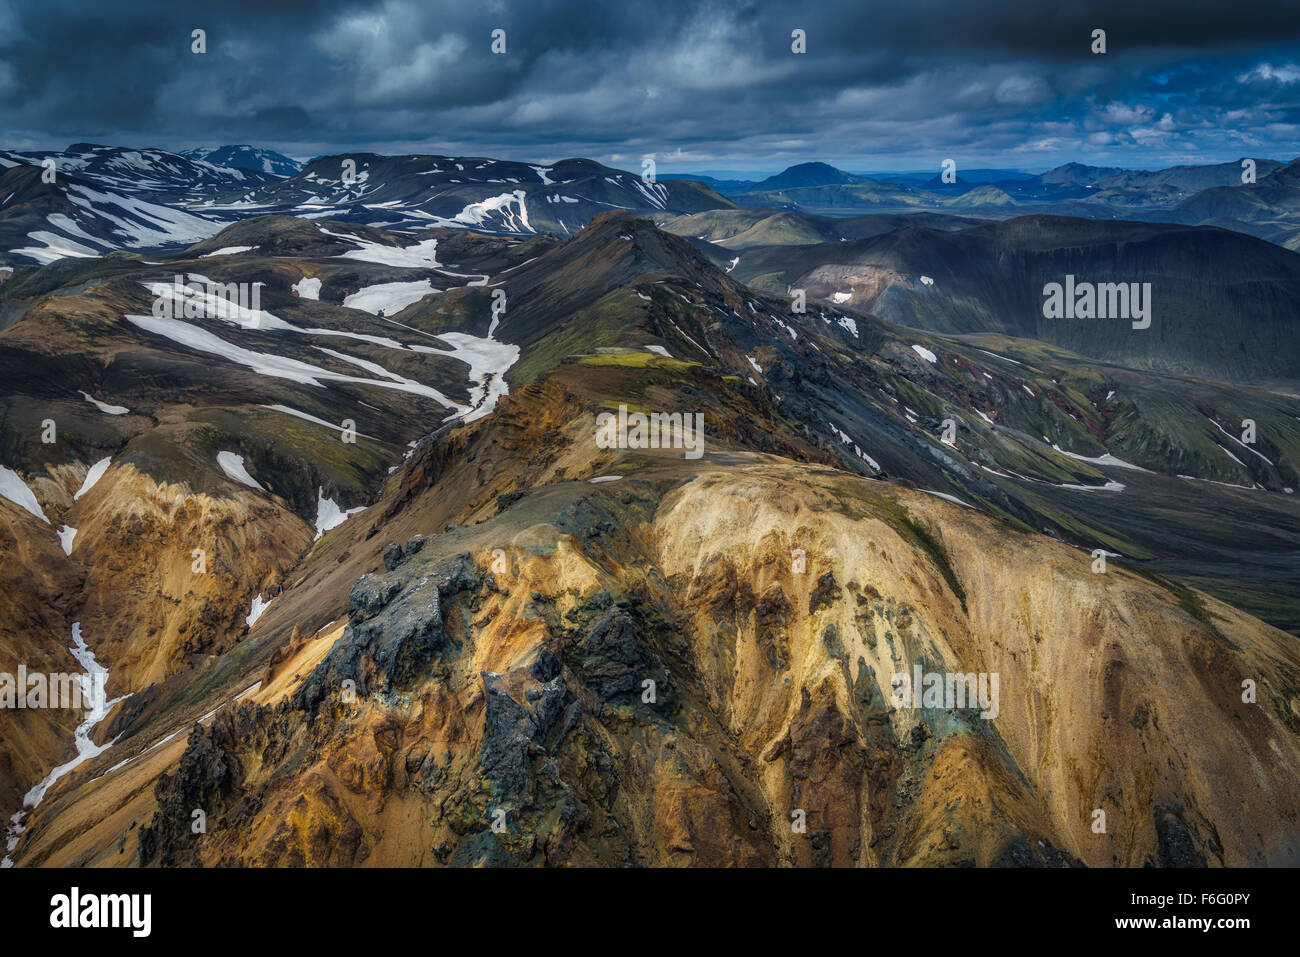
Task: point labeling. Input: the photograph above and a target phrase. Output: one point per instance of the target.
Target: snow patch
(1241, 443)
(55, 247)
(66, 534)
(93, 475)
(281, 367)
(103, 406)
(233, 466)
(256, 611)
(488, 360)
(311, 418)
(996, 356)
(1104, 459)
(307, 288)
(389, 297)
(948, 498)
(509, 207)
(1108, 487)
(329, 515)
(423, 255)
(15, 489)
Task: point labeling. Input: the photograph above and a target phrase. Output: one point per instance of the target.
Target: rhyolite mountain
(466, 602)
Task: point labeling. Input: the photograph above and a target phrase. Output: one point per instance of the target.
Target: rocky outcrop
(709, 704)
(395, 629)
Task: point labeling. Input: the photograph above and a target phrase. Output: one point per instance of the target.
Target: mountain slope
(473, 192)
(41, 222)
(510, 687)
(499, 612)
(155, 175)
(103, 199)
(1223, 304)
(745, 228)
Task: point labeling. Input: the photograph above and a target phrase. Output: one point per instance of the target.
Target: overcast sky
(703, 86)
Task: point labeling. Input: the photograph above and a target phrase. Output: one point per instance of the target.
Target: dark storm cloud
(700, 85)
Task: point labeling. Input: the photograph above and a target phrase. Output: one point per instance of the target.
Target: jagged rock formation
(521, 693)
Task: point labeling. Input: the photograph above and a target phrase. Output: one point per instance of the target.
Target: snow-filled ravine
(329, 515)
(258, 607)
(93, 475)
(92, 683)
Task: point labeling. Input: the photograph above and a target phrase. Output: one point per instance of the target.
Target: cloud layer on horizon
(709, 85)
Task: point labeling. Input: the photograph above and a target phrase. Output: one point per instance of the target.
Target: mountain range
(368, 589)
(102, 198)
(1260, 203)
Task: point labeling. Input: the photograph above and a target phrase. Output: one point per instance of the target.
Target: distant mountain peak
(243, 156)
(1079, 174)
(807, 174)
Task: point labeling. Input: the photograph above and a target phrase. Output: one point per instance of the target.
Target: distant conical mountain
(807, 174)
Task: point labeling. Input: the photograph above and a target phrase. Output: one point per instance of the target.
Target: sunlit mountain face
(728, 436)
